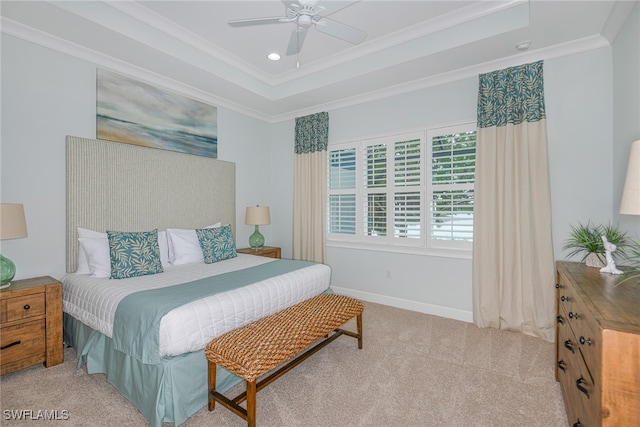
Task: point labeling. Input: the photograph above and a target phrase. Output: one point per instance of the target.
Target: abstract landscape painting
(137, 113)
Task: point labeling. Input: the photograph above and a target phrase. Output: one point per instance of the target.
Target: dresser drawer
(23, 307)
(578, 389)
(22, 341)
(586, 335)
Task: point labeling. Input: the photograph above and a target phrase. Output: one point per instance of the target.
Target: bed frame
(126, 187)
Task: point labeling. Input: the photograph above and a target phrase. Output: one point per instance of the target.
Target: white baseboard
(436, 310)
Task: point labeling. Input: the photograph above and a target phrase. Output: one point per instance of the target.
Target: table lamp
(257, 215)
(12, 226)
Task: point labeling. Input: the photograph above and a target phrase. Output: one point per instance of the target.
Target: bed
(153, 352)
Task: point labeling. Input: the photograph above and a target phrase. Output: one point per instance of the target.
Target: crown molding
(100, 60)
(565, 49)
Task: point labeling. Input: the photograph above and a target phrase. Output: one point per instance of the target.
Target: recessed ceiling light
(273, 56)
(523, 46)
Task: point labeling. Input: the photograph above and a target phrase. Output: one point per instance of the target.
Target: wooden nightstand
(266, 251)
(31, 324)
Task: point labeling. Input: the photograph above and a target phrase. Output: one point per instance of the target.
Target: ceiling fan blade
(257, 21)
(341, 31)
(297, 38)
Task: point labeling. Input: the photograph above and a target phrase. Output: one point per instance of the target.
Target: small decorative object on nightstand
(257, 215)
(265, 251)
(12, 226)
(31, 324)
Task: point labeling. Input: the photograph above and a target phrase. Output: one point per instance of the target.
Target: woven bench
(254, 349)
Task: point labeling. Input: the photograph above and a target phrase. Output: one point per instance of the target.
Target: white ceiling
(188, 46)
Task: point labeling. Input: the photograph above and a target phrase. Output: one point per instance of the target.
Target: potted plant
(585, 240)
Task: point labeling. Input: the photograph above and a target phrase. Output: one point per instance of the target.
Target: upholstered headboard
(127, 187)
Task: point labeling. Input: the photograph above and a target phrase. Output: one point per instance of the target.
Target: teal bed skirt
(169, 391)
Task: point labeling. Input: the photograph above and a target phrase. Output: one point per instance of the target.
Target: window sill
(434, 252)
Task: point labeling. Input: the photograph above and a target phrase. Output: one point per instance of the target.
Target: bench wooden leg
(251, 403)
(212, 385)
(359, 325)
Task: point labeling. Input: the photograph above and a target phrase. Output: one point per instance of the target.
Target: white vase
(595, 260)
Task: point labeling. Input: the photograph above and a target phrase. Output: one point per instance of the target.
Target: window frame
(391, 243)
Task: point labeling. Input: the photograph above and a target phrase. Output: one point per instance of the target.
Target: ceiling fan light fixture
(273, 56)
(304, 20)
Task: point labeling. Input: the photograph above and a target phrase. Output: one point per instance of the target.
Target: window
(408, 190)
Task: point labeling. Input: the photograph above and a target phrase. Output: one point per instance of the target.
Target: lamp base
(256, 240)
(7, 271)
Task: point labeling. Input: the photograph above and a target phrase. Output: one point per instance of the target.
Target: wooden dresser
(598, 346)
(31, 324)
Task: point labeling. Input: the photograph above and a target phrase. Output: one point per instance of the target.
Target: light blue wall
(47, 95)
(424, 283)
(626, 109)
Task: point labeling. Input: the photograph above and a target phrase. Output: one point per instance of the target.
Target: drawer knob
(583, 341)
(562, 365)
(580, 384)
(560, 320)
(10, 345)
(573, 315)
(26, 307)
(569, 345)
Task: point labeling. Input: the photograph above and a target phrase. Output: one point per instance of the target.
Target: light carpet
(414, 370)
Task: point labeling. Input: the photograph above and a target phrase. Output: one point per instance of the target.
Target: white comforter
(93, 301)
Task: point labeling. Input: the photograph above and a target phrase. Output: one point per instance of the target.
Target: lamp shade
(257, 215)
(630, 204)
(12, 222)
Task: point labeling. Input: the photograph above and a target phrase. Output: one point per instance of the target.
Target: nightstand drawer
(265, 251)
(31, 324)
(23, 341)
(270, 253)
(24, 307)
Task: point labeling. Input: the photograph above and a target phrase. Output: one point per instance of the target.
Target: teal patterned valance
(312, 133)
(511, 96)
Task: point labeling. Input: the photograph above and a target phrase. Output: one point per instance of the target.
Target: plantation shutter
(342, 191)
(452, 182)
(408, 189)
(375, 190)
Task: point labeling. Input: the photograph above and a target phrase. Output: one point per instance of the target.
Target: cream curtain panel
(513, 261)
(310, 187)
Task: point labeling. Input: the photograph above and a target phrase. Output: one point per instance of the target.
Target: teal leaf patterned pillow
(134, 253)
(217, 243)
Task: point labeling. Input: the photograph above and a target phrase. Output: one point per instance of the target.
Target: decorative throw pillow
(134, 253)
(87, 265)
(183, 245)
(217, 243)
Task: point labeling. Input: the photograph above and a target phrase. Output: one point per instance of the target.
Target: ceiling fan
(308, 13)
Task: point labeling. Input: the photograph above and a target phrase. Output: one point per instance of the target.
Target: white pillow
(184, 247)
(163, 244)
(84, 264)
(97, 252)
